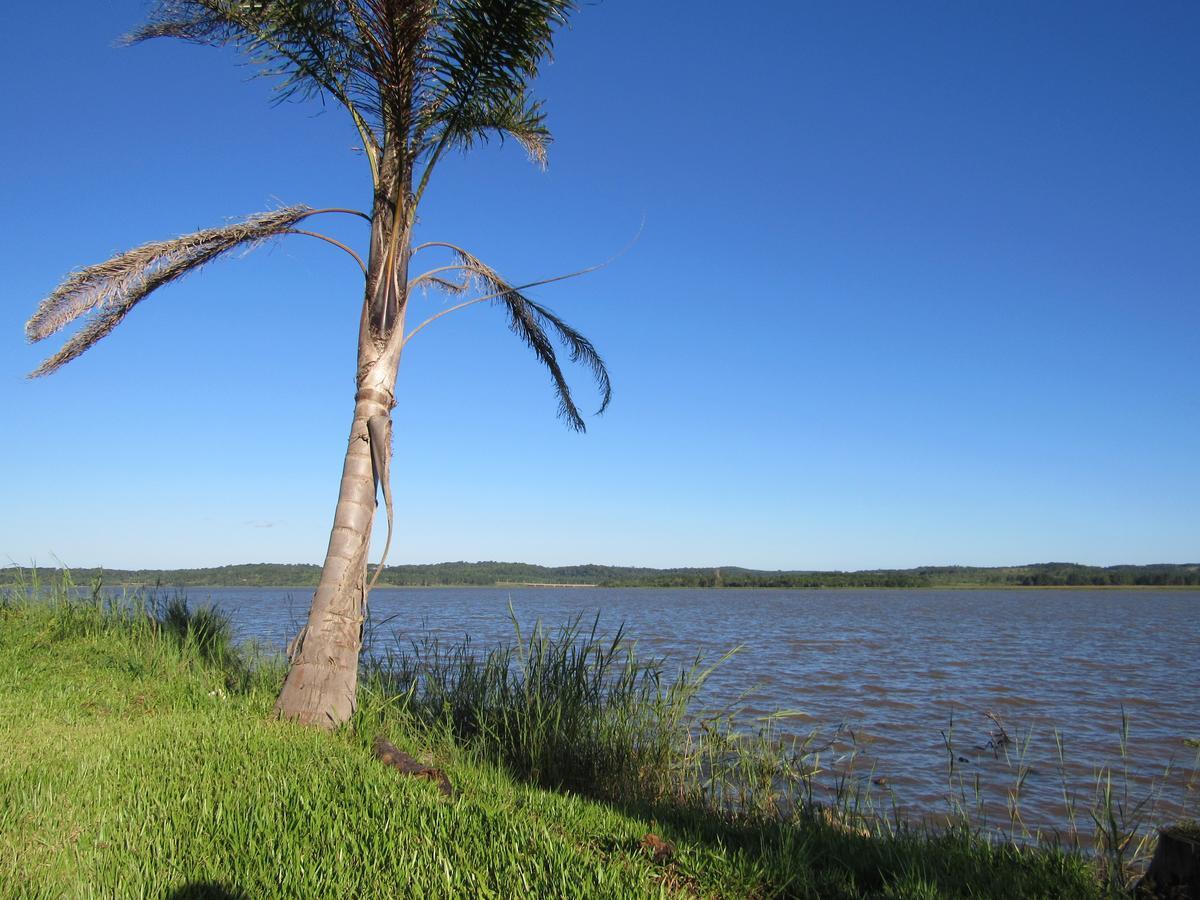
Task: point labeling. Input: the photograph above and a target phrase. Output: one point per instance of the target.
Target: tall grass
(203, 635)
(569, 708)
(573, 708)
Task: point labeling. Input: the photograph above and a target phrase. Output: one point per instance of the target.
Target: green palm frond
(583, 352)
(314, 48)
(519, 118)
(305, 43)
(109, 290)
(483, 56)
(530, 322)
(427, 75)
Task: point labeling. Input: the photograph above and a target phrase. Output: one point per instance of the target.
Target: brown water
(891, 678)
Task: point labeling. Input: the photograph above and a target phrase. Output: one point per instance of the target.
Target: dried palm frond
(528, 320)
(109, 290)
(445, 285)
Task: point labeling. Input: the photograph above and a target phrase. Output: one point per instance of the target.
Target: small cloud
(262, 523)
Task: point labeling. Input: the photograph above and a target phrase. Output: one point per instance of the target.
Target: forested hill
(520, 574)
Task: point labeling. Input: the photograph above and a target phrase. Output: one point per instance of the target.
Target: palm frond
(313, 47)
(109, 290)
(483, 56)
(428, 74)
(583, 352)
(392, 59)
(529, 321)
(518, 118)
(445, 285)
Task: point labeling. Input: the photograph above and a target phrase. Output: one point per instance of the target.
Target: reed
(565, 709)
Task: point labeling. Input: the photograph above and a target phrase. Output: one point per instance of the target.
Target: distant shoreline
(964, 588)
(459, 575)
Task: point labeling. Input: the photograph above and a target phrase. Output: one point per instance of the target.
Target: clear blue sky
(918, 284)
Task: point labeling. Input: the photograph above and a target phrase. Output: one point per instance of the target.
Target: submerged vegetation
(142, 758)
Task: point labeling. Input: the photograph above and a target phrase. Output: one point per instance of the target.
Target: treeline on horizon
(492, 574)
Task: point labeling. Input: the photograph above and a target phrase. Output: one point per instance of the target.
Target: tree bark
(322, 682)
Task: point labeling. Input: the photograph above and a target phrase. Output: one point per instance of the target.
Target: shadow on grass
(818, 858)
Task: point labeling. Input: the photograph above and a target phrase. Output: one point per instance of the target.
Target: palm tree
(419, 78)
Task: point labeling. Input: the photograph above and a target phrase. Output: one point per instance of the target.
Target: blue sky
(917, 284)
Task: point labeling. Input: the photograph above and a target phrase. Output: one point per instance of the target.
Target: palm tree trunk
(322, 683)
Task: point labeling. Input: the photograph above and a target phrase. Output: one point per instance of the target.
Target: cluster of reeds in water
(576, 709)
(1116, 820)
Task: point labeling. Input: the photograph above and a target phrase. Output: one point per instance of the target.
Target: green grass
(140, 759)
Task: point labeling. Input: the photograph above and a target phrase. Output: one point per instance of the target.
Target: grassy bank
(140, 759)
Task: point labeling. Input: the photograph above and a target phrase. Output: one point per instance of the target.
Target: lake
(886, 678)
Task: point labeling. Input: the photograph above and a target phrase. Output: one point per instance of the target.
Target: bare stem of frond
(109, 290)
(327, 239)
